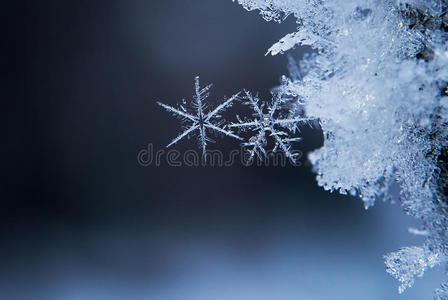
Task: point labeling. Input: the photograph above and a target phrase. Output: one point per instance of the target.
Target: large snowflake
(199, 120)
(267, 124)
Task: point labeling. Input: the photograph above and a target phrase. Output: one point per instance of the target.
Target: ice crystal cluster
(377, 83)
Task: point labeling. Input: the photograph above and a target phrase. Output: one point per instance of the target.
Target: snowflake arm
(256, 145)
(288, 122)
(222, 107)
(182, 135)
(285, 144)
(177, 112)
(223, 131)
(203, 139)
(200, 95)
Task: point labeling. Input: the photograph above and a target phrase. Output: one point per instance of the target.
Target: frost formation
(377, 83)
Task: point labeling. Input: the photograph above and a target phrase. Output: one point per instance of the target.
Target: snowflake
(270, 123)
(199, 120)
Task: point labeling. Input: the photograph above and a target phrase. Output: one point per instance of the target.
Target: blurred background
(81, 219)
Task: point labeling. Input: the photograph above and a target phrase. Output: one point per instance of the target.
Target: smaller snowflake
(271, 124)
(199, 120)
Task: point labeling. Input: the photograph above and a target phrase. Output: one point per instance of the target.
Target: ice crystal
(269, 122)
(199, 120)
(410, 262)
(377, 83)
(442, 293)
